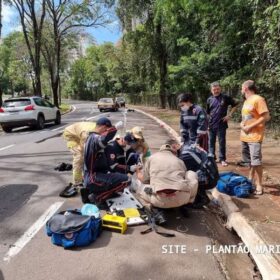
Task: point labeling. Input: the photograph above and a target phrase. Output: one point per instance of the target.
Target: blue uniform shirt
(95, 159)
(193, 123)
(217, 107)
(120, 160)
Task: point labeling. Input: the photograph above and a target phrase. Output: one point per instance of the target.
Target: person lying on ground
(76, 135)
(193, 122)
(100, 184)
(167, 183)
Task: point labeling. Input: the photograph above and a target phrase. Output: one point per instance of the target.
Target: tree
(65, 17)
(32, 15)
(1, 3)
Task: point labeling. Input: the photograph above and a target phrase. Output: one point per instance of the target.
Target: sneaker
(159, 215)
(224, 163)
(243, 163)
(69, 191)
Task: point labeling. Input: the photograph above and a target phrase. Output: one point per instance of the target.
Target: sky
(10, 21)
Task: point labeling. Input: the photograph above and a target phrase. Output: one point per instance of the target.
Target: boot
(201, 199)
(84, 195)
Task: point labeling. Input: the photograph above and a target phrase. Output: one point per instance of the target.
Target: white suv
(32, 111)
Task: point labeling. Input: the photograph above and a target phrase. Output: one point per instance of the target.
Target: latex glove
(119, 125)
(133, 168)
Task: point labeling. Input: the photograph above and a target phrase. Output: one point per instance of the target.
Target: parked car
(121, 101)
(32, 111)
(107, 104)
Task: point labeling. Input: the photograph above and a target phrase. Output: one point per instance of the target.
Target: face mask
(127, 147)
(185, 108)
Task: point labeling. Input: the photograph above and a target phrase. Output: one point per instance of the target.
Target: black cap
(129, 138)
(104, 121)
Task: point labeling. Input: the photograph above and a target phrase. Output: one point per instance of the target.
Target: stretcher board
(125, 201)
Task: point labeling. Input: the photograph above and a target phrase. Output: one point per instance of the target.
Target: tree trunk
(1, 97)
(1, 20)
(162, 64)
(55, 88)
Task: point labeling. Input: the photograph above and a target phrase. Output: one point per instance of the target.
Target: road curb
(268, 265)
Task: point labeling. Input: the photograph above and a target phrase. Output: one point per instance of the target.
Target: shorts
(252, 153)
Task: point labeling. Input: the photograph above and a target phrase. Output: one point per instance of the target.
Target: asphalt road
(29, 189)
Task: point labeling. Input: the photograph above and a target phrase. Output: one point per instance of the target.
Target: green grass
(64, 108)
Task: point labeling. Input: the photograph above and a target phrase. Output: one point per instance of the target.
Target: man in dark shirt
(217, 110)
(100, 184)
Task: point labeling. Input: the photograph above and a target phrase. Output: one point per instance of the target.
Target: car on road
(107, 104)
(31, 111)
(121, 101)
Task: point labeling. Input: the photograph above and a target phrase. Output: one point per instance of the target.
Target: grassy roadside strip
(64, 108)
(170, 117)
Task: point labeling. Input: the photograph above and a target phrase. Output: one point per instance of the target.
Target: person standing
(254, 116)
(193, 122)
(217, 110)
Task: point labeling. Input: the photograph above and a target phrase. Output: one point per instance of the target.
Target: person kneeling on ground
(170, 184)
(99, 183)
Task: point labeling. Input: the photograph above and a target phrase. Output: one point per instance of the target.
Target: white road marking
(59, 127)
(31, 232)
(74, 109)
(7, 147)
(97, 116)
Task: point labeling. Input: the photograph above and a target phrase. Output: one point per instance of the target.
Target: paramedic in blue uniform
(100, 184)
(121, 157)
(193, 122)
(217, 110)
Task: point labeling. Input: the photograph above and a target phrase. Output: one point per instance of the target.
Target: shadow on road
(13, 197)
(1, 275)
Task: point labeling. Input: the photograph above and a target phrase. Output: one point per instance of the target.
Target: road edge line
(31, 232)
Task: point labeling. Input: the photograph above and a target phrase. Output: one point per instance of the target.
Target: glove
(119, 125)
(133, 168)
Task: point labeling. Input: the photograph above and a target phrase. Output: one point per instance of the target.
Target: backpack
(71, 229)
(234, 184)
(197, 160)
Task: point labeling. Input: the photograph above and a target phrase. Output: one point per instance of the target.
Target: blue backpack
(234, 184)
(72, 229)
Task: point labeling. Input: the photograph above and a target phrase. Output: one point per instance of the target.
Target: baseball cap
(104, 121)
(137, 132)
(129, 138)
